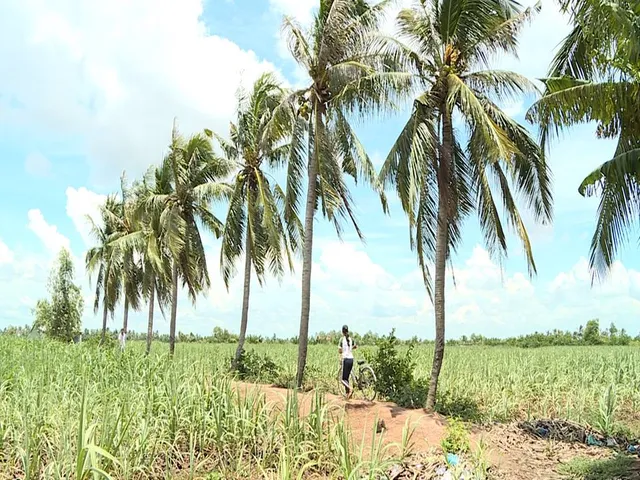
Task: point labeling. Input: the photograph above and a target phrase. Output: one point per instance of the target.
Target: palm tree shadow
(358, 405)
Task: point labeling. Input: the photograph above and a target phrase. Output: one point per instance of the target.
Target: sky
(89, 89)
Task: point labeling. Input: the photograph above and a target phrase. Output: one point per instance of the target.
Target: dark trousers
(347, 366)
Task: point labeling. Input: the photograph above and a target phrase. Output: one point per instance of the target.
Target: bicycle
(362, 378)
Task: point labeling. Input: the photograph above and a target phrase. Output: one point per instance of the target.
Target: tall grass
(501, 383)
(79, 412)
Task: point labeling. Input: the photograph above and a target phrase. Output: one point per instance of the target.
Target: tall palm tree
(595, 76)
(145, 241)
(347, 73)
(255, 217)
(124, 223)
(102, 258)
(196, 181)
(442, 175)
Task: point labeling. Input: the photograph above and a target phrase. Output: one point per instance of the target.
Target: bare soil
(513, 453)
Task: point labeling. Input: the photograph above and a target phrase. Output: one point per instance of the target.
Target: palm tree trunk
(442, 241)
(104, 321)
(245, 300)
(174, 309)
(307, 248)
(125, 321)
(152, 298)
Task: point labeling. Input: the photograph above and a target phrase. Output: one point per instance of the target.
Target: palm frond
(500, 84)
(618, 184)
(497, 143)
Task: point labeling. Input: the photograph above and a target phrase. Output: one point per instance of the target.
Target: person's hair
(345, 332)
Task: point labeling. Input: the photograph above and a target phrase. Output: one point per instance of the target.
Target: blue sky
(88, 89)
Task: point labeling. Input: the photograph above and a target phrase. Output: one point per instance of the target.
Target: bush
(457, 439)
(95, 341)
(60, 316)
(394, 373)
(413, 395)
(260, 368)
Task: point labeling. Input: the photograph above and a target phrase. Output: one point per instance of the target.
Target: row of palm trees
(459, 154)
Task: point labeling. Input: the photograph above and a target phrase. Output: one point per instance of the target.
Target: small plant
(480, 460)
(605, 416)
(253, 366)
(457, 438)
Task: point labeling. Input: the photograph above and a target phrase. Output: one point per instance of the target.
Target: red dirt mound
(363, 417)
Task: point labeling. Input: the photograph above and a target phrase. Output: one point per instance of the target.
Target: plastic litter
(542, 432)
(593, 441)
(633, 448)
(611, 442)
(441, 471)
(452, 459)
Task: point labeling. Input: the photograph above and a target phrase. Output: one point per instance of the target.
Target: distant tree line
(589, 334)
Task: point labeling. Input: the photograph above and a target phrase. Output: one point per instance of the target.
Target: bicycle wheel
(367, 383)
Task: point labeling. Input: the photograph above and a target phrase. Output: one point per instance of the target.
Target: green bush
(95, 341)
(394, 373)
(457, 438)
(413, 395)
(253, 366)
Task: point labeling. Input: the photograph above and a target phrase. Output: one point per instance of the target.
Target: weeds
(615, 468)
(605, 416)
(457, 437)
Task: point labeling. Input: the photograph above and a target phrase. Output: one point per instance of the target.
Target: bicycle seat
(361, 362)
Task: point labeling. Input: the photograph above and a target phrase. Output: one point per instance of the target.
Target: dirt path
(363, 417)
(513, 453)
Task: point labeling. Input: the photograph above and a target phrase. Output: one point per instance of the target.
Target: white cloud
(80, 204)
(6, 255)
(49, 235)
(37, 164)
(350, 286)
(301, 10)
(117, 74)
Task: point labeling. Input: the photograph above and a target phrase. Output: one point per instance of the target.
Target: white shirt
(346, 347)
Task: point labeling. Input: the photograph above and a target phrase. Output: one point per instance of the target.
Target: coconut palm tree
(196, 181)
(442, 172)
(102, 258)
(347, 73)
(595, 77)
(124, 223)
(145, 241)
(255, 225)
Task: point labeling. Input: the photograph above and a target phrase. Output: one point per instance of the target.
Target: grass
(616, 468)
(495, 383)
(75, 411)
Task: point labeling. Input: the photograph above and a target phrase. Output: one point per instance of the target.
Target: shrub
(413, 395)
(394, 373)
(60, 317)
(253, 366)
(457, 438)
(96, 341)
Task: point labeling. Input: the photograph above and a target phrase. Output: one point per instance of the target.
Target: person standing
(345, 349)
(122, 339)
